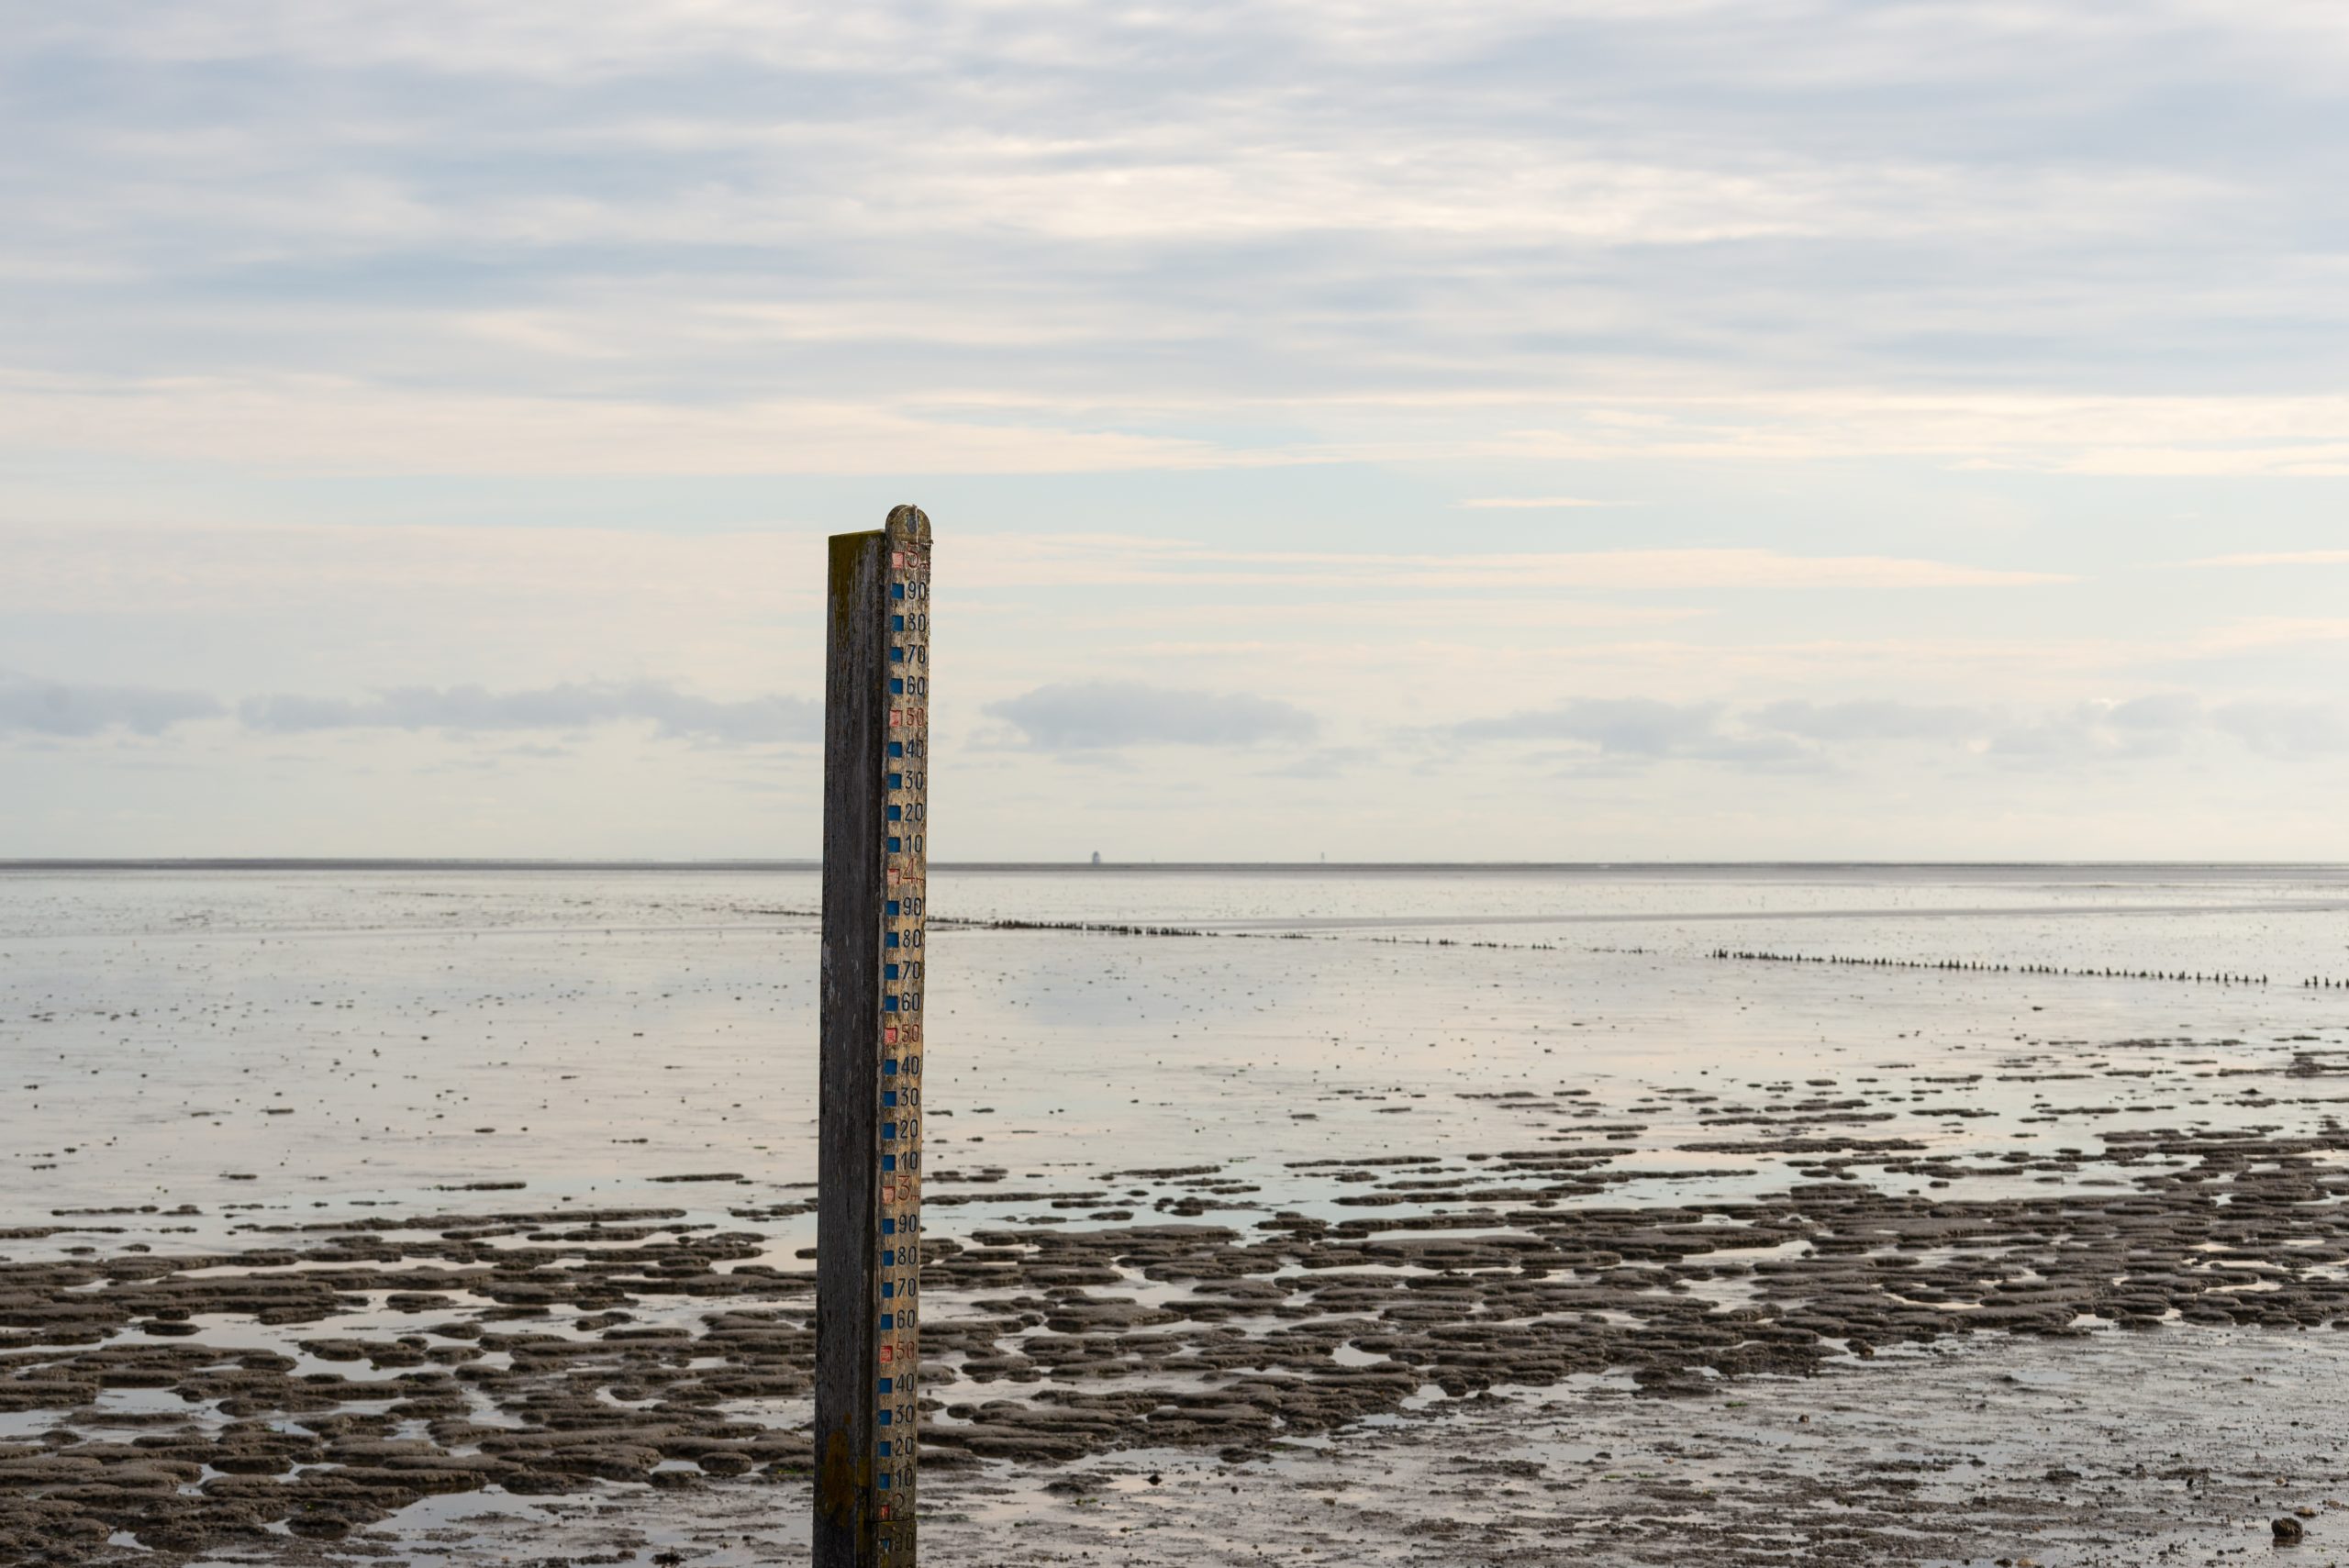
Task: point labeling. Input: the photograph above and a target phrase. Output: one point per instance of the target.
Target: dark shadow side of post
(866, 1358)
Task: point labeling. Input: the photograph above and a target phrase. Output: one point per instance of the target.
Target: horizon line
(552, 863)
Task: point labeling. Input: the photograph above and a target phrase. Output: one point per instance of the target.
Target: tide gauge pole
(868, 1219)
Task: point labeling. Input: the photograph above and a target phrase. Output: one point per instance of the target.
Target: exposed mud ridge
(342, 1373)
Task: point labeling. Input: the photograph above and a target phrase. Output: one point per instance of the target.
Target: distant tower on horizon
(1096, 857)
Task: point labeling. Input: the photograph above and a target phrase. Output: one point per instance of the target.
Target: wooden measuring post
(868, 1220)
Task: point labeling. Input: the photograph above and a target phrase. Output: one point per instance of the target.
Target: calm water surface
(263, 1045)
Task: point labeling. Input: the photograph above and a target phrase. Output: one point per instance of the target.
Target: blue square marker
(889, 938)
(897, 845)
(896, 747)
(888, 1004)
(882, 1481)
(888, 1258)
(896, 781)
(889, 1162)
(887, 1385)
(884, 1415)
(897, 589)
(888, 1228)
(892, 904)
(888, 1322)
(896, 655)
(889, 1068)
(888, 972)
(888, 1097)
(896, 623)
(888, 1292)
(888, 1130)
(885, 1447)
(896, 814)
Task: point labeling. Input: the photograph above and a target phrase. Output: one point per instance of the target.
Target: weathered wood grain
(859, 1524)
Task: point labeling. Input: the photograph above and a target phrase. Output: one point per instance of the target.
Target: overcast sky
(1590, 430)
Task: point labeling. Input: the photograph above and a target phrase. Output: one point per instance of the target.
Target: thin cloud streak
(1530, 503)
(2278, 557)
(1105, 715)
(765, 720)
(1869, 719)
(2157, 725)
(1007, 560)
(63, 709)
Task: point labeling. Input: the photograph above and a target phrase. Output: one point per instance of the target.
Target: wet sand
(323, 1384)
(1989, 1267)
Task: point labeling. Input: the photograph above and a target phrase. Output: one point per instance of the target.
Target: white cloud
(672, 237)
(415, 347)
(2101, 731)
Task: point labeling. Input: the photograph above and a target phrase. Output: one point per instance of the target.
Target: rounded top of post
(908, 525)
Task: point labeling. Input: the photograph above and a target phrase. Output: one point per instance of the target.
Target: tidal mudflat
(1446, 1216)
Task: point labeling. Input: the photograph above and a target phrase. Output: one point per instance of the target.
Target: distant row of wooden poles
(1970, 966)
(1736, 955)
